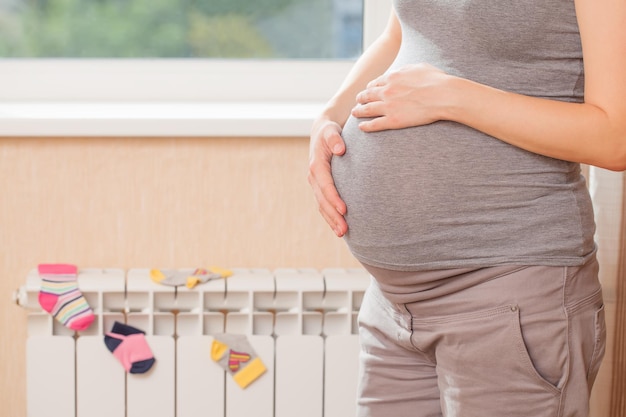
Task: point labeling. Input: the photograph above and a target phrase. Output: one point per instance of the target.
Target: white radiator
(301, 323)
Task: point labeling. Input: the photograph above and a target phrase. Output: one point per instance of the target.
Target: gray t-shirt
(445, 195)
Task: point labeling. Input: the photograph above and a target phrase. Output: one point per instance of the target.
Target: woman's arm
(326, 138)
(593, 132)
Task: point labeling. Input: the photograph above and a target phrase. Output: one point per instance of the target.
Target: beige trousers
(514, 341)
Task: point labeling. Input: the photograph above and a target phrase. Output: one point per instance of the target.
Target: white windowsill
(154, 119)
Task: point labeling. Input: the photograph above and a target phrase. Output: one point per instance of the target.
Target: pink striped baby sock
(60, 296)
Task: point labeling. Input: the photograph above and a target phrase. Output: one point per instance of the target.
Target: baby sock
(172, 278)
(234, 354)
(129, 345)
(60, 296)
(200, 276)
(176, 278)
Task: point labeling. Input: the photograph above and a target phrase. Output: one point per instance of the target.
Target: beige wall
(148, 202)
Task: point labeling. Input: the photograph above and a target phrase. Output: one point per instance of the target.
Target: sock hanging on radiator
(60, 296)
(201, 275)
(129, 345)
(176, 278)
(234, 353)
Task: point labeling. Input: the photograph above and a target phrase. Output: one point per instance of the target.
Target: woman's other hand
(326, 141)
(414, 95)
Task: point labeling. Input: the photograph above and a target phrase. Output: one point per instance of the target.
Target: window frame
(215, 80)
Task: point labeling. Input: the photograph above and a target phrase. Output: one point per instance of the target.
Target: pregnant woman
(449, 160)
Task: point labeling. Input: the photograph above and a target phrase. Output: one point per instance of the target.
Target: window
(264, 29)
(223, 50)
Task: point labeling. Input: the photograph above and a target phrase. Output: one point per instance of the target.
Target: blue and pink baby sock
(129, 345)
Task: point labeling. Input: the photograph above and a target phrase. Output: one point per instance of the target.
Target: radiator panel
(154, 393)
(299, 376)
(341, 371)
(100, 380)
(50, 375)
(200, 389)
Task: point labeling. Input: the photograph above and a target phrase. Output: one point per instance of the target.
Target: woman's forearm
(583, 132)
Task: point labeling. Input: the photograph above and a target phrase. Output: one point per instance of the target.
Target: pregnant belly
(419, 185)
(429, 194)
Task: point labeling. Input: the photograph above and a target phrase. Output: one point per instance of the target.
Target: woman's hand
(414, 95)
(326, 141)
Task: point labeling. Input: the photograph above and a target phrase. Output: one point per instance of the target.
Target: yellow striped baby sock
(201, 275)
(234, 354)
(175, 278)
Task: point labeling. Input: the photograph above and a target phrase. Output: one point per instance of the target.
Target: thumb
(335, 142)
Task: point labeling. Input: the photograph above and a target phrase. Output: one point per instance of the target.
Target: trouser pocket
(484, 365)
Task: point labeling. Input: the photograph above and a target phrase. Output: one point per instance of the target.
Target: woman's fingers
(325, 143)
